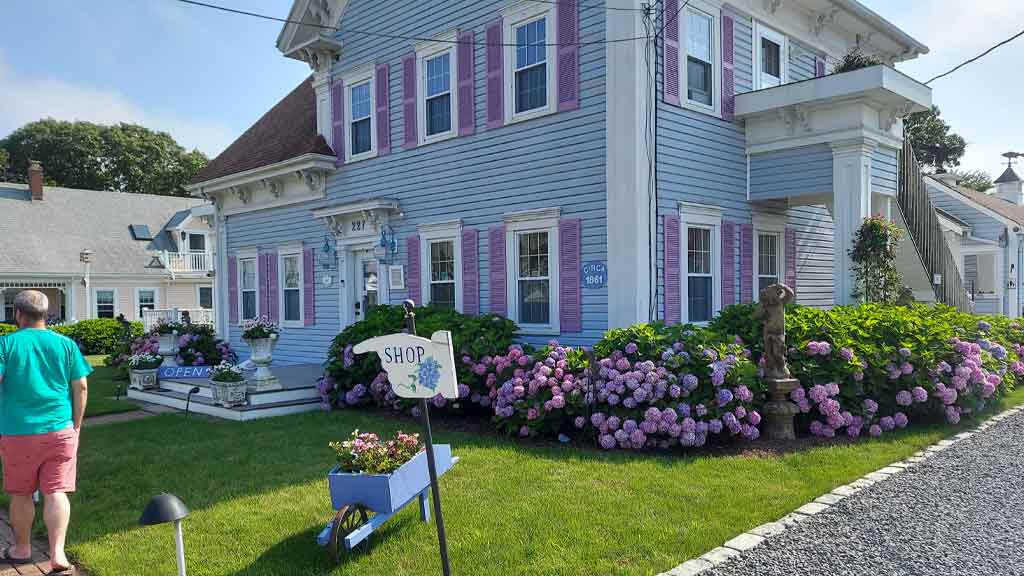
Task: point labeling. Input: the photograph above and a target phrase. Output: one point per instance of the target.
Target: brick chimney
(35, 179)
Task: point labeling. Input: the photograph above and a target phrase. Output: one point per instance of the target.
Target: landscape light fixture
(163, 509)
(188, 399)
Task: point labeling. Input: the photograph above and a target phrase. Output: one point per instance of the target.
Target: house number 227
(358, 225)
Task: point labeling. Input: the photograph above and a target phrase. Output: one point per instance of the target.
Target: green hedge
(98, 336)
(7, 328)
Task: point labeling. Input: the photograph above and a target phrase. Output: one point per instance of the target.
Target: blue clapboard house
(573, 165)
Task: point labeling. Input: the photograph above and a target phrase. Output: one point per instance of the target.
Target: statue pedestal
(779, 411)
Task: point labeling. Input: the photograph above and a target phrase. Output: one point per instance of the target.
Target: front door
(366, 284)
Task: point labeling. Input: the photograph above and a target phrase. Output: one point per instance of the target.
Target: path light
(163, 509)
(188, 399)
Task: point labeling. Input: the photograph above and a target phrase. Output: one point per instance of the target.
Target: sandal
(62, 571)
(12, 560)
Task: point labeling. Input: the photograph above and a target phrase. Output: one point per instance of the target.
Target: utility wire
(594, 7)
(978, 57)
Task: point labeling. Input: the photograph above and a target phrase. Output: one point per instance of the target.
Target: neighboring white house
(100, 254)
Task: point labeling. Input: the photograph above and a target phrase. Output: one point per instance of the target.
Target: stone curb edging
(757, 536)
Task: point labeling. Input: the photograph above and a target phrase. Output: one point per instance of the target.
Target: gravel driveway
(960, 512)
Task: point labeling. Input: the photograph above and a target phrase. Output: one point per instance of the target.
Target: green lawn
(103, 388)
(258, 496)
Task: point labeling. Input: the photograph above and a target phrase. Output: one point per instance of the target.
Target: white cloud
(27, 98)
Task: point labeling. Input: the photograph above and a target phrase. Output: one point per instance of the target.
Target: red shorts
(44, 462)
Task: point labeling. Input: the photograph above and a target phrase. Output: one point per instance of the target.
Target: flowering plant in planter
(366, 453)
(199, 346)
(259, 329)
(226, 372)
(164, 326)
(145, 361)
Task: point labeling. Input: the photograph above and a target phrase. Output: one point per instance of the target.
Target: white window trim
(351, 79)
(762, 30)
(997, 266)
(700, 217)
(284, 251)
(425, 51)
(95, 302)
(254, 256)
(715, 12)
(137, 302)
(199, 299)
(768, 224)
(545, 220)
(441, 231)
(517, 15)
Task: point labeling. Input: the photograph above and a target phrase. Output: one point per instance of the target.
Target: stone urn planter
(169, 348)
(229, 394)
(262, 356)
(143, 379)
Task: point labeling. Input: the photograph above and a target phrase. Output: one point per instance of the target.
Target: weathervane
(1011, 157)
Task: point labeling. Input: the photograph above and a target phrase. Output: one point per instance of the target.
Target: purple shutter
(570, 308)
(746, 263)
(467, 92)
(496, 255)
(568, 55)
(728, 80)
(338, 121)
(383, 110)
(495, 77)
(673, 290)
(471, 271)
(819, 66)
(791, 258)
(670, 55)
(308, 287)
(409, 100)
(274, 295)
(412, 247)
(232, 289)
(728, 263)
(263, 293)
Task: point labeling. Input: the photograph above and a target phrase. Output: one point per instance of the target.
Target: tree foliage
(934, 143)
(123, 157)
(975, 179)
(5, 160)
(874, 261)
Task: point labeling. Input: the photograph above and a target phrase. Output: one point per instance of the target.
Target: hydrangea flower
(904, 398)
(875, 430)
(919, 394)
(900, 419)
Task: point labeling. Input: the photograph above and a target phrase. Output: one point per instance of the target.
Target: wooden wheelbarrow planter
(353, 495)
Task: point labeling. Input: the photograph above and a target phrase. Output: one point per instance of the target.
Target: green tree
(975, 179)
(5, 161)
(934, 144)
(123, 157)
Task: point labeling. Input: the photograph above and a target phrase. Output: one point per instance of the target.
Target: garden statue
(779, 411)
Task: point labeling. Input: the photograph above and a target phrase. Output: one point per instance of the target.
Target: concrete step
(255, 398)
(204, 405)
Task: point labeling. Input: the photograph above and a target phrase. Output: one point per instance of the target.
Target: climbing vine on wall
(874, 261)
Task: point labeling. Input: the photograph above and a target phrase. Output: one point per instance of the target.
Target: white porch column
(1011, 273)
(71, 307)
(851, 198)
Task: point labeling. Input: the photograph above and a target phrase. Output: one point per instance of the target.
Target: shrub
(855, 60)
(199, 346)
(874, 261)
(99, 335)
(7, 328)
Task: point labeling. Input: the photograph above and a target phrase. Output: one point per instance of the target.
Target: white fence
(150, 318)
(187, 261)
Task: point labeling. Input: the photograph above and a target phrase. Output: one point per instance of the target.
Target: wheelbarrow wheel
(347, 520)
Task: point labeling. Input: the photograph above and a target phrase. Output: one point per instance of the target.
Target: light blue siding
(743, 55)
(553, 161)
(885, 171)
(801, 62)
(798, 172)
(815, 254)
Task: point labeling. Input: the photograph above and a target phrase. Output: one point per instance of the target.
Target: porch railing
(150, 318)
(181, 262)
(926, 233)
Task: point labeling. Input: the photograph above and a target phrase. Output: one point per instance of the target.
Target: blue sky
(206, 76)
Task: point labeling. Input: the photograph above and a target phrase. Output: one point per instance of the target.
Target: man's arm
(79, 397)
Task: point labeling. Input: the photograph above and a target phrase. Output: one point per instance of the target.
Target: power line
(978, 57)
(398, 36)
(594, 7)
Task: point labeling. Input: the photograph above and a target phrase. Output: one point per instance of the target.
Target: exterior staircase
(926, 233)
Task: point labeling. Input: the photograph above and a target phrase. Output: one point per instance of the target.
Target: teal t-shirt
(38, 367)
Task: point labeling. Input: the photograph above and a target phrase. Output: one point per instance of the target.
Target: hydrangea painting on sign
(415, 366)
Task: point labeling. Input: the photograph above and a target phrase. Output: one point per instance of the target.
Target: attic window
(141, 232)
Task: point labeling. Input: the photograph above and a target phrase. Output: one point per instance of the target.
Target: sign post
(420, 368)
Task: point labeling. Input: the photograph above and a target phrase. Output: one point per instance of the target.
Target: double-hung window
(205, 297)
(771, 48)
(290, 269)
(437, 106)
(701, 237)
(441, 254)
(701, 74)
(359, 107)
(530, 61)
(532, 253)
(145, 299)
(247, 282)
(105, 302)
(769, 246)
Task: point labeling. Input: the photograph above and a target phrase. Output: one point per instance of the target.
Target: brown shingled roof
(287, 130)
(1004, 208)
